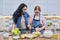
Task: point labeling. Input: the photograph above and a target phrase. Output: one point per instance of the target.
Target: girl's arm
(44, 23)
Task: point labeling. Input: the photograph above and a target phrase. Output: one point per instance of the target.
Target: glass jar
(48, 33)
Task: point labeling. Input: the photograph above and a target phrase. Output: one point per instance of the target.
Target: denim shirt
(19, 20)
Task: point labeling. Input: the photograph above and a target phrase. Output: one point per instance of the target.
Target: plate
(30, 36)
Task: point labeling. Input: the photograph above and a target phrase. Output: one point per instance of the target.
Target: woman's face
(24, 9)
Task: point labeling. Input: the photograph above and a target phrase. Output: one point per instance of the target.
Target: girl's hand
(37, 29)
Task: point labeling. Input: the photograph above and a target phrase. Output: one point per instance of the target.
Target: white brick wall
(50, 7)
(7, 22)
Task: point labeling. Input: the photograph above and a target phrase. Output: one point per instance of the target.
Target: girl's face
(37, 10)
(24, 9)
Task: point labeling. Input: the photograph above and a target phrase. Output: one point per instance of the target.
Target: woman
(20, 17)
(38, 22)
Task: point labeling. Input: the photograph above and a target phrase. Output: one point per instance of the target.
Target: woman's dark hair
(18, 12)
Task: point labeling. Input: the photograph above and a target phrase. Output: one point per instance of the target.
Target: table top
(38, 38)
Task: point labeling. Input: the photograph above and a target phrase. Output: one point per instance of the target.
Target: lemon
(23, 36)
(15, 32)
(37, 33)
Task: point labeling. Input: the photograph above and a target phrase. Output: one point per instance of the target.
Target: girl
(20, 17)
(38, 22)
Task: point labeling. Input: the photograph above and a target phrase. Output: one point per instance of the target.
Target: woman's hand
(13, 26)
(29, 26)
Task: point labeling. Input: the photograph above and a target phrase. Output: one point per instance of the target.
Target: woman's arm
(13, 26)
(29, 22)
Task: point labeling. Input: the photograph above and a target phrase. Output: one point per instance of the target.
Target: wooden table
(38, 38)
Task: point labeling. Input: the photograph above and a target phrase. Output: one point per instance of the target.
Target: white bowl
(6, 35)
(15, 37)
